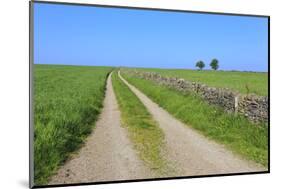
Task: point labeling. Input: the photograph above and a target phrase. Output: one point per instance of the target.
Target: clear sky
(80, 35)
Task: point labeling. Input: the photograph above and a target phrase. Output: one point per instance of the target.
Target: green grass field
(67, 101)
(256, 83)
(235, 132)
(143, 130)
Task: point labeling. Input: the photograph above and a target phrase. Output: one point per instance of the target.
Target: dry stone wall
(254, 107)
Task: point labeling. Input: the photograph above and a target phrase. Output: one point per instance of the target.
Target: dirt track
(107, 154)
(190, 151)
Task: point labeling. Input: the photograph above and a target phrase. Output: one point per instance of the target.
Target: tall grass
(67, 101)
(235, 132)
(243, 82)
(143, 130)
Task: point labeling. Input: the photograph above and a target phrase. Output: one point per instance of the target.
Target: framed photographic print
(122, 94)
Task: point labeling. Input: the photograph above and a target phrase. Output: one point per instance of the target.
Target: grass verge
(147, 137)
(235, 132)
(67, 101)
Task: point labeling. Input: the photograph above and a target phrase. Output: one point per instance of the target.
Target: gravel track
(107, 154)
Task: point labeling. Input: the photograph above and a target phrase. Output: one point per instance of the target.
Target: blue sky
(80, 35)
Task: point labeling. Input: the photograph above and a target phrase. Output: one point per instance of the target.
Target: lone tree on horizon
(214, 64)
(200, 64)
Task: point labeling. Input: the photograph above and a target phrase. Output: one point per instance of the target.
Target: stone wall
(254, 107)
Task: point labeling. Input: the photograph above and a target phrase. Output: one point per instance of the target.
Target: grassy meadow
(144, 132)
(67, 101)
(235, 132)
(243, 82)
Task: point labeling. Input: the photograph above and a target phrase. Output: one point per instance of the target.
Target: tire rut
(107, 154)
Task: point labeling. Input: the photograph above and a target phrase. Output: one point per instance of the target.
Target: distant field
(256, 83)
(67, 101)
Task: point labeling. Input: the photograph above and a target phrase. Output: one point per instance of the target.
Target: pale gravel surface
(193, 153)
(107, 155)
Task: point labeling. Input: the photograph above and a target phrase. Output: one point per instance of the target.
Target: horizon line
(171, 68)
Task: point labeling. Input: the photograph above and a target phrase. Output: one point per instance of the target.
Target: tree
(214, 64)
(200, 64)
